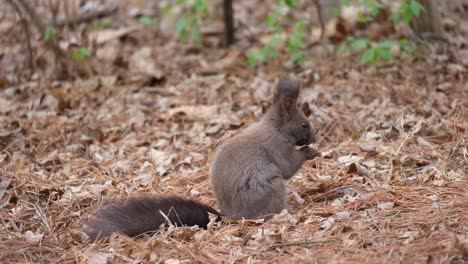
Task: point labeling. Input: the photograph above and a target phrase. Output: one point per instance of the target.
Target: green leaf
(368, 56)
(252, 58)
(49, 33)
(195, 36)
(345, 2)
(146, 21)
(81, 54)
(273, 41)
(300, 25)
(341, 49)
(415, 7)
(165, 9)
(289, 3)
(103, 25)
(384, 54)
(298, 57)
(386, 44)
(359, 44)
(407, 16)
(181, 28)
(396, 17)
(406, 46)
(201, 7)
(272, 21)
(269, 49)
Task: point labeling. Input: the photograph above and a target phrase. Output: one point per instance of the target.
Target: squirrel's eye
(305, 124)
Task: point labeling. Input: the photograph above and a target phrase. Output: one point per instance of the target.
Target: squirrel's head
(288, 116)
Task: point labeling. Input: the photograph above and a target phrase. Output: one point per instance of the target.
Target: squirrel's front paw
(309, 153)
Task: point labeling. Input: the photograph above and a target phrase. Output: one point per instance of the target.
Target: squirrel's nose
(311, 138)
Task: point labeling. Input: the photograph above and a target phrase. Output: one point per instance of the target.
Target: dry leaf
(99, 258)
(424, 143)
(195, 112)
(349, 158)
(161, 160)
(142, 61)
(385, 205)
(145, 174)
(33, 237)
(106, 35)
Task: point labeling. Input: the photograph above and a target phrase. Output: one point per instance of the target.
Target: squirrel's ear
(286, 93)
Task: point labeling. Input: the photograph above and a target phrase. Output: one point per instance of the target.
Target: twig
(299, 243)
(40, 26)
(320, 16)
(28, 36)
(86, 17)
(228, 22)
(402, 143)
(33, 15)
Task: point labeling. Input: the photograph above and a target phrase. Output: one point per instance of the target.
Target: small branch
(299, 244)
(40, 26)
(228, 22)
(33, 15)
(27, 33)
(87, 17)
(320, 16)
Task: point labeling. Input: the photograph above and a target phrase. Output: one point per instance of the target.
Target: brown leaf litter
(391, 185)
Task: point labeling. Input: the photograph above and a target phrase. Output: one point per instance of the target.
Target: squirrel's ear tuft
(287, 92)
(287, 88)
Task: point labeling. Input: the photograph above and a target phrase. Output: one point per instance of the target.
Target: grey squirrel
(249, 174)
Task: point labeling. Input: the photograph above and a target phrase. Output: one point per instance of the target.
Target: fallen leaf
(142, 61)
(195, 112)
(349, 159)
(357, 168)
(385, 205)
(106, 35)
(161, 160)
(343, 215)
(424, 143)
(33, 237)
(3, 187)
(145, 174)
(99, 258)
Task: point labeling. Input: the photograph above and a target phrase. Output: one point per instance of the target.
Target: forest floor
(144, 113)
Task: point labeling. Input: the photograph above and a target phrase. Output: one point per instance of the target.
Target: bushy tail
(137, 215)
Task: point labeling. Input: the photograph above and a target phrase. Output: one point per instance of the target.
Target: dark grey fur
(249, 171)
(138, 215)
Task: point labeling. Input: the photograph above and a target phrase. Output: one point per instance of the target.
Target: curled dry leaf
(106, 35)
(33, 237)
(99, 258)
(145, 174)
(6, 106)
(385, 205)
(357, 168)
(142, 61)
(161, 160)
(327, 224)
(349, 158)
(298, 198)
(194, 112)
(3, 187)
(424, 143)
(343, 215)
